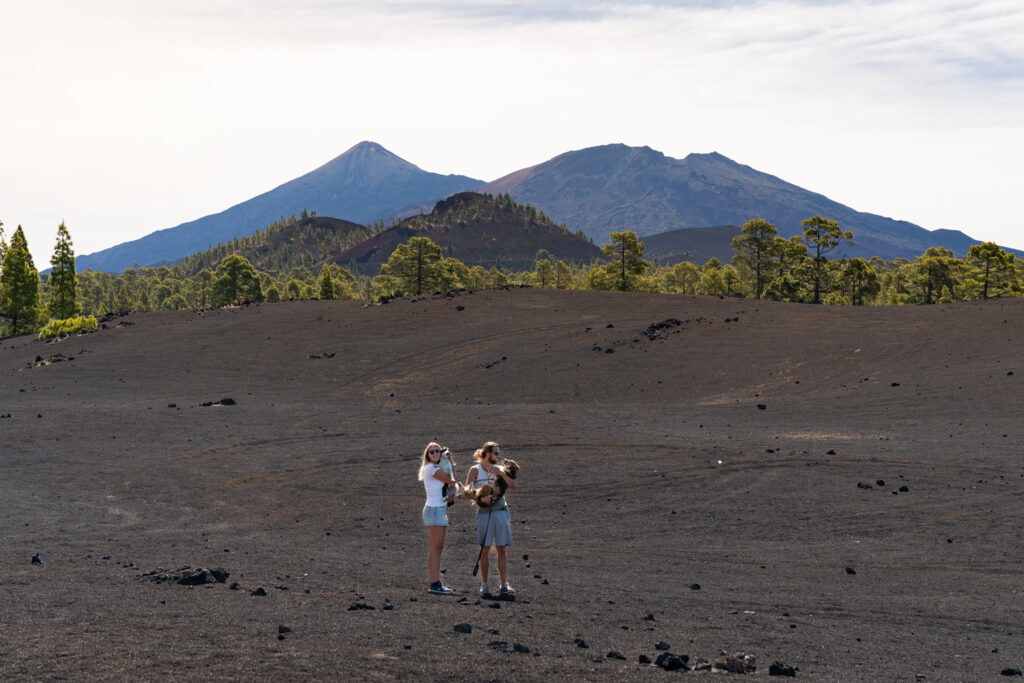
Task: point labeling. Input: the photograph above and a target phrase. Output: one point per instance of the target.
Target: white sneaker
(506, 589)
(485, 589)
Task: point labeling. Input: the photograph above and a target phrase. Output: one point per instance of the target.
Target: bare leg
(485, 563)
(502, 563)
(437, 534)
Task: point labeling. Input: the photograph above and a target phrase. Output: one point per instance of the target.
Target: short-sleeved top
(433, 487)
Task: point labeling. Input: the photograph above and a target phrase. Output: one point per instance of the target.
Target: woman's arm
(443, 476)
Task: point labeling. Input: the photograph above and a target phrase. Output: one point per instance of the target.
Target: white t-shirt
(433, 486)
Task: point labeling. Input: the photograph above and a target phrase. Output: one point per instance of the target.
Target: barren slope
(645, 471)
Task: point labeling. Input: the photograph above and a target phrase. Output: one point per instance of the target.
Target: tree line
(765, 266)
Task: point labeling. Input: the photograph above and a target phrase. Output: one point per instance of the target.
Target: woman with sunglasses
(435, 513)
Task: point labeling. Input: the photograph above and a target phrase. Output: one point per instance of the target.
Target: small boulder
(737, 663)
(662, 645)
(36, 560)
(780, 669)
(260, 591)
(464, 627)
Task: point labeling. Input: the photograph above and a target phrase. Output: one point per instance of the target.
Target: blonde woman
(435, 513)
(493, 524)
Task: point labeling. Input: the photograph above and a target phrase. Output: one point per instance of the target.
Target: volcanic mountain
(696, 245)
(615, 187)
(364, 184)
(480, 230)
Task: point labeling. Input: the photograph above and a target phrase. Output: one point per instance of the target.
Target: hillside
(478, 230)
(696, 245)
(364, 184)
(308, 242)
(833, 488)
(615, 187)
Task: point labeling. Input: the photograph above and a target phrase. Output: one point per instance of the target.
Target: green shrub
(60, 328)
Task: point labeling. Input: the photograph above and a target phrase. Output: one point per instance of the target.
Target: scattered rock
(737, 663)
(780, 669)
(904, 489)
(831, 451)
(464, 627)
(880, 482)
(695, 586)
(862, 485)
(762, 406)
(643, 659)
(36, 560)
(260, 591)
(283, 629)
(1011, 671)
(520, 648)
(500, 646)
(851, 571)
(187, 576)
(649, 617)
(387, 605)
(614, 654)
(581, 643)
(662, 645)
(234, 586)
(172, 405)
(360, 605)
(596, 657)
(671, 662)
(609, 350)
(656, 330)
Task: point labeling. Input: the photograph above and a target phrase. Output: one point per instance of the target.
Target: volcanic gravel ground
(716, 474)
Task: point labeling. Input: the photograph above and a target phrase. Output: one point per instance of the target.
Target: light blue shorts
(435, 516)
(495, 530)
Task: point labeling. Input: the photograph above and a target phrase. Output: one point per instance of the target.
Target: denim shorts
(435, 516)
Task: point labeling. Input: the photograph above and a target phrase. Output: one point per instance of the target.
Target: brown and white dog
(496, 489)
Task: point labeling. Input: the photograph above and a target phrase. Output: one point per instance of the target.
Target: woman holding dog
(493, 524)
(435, 513)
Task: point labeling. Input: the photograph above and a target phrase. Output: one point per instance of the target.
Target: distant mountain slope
(308, 242)
(696, 245)
(478, 230)
(364, 184)
(615, 187)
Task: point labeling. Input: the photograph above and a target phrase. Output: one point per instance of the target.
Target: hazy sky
(122, 117)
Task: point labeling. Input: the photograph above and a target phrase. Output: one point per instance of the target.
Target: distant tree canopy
(765, 265)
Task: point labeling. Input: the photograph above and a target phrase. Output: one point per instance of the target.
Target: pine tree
(822, 235)
(628, 264)
(19, 286)
(754, 246)
(63, 280)
(326, 284)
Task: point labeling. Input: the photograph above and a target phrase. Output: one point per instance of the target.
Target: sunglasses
(433, 450)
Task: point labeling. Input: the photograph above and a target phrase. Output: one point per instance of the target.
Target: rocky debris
(862, 485)
(223, 402)
(360, 604)
(53, 358)
(283, 629)
(504, 646)
(387, 606)
(234, 586)
(780, 669)
(660, 330)
(643, 659)
(36, 560)
(581, 643)
(492, 363)
(596, 657)
(464, 627)
(316, 356)
(1011, 671)
(695, 586)
(851, 571)
(662, 645)
(259, 592)
(737, 663)
(671, 662)
(904, 489)
(187, 576)
(762, 406)
(615, 654)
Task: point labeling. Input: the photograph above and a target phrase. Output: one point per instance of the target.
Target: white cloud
(123, 118)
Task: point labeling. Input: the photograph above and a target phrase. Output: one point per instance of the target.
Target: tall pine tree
(19, 286)
(63, 280)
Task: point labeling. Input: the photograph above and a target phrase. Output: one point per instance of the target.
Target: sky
(121, 117)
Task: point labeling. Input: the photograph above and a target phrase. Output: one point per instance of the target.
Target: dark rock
(649, 617)
(762, 406)
(260, 591)
(172, 405)
(780, 669)
(494, 605)
(526, 557)
(234, 586)
(360, 605)
(581, 643)
(460, 308)
(737, 663)
(596, 657)
(643, 659)
(1010, 671)
(500, 646)
(831, 452)
(904, 489)
(862, 485)
(662, 645)
(695, 586)
(520, 648)
(880, 482)
(283, 629)
(227, 401)
(386, 607)
(609, 350)
(614, 654)
(851, 571)
(36, 560)
(464, 627)
(895, 384)
(671, 662)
